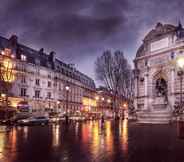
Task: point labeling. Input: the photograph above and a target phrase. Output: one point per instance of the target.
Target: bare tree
(116, 73)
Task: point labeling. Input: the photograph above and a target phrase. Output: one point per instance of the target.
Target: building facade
(157, 83)
(108, 104)
(41, 79)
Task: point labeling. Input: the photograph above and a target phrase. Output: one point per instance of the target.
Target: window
(55, 84)
(37, 82)
(23, 92)
(49, 84)
(37, 94)
(23, 57)
(38, 71)
(23, 79)
(49, 76)
(48, 94)
(59, 86)
(172, 55)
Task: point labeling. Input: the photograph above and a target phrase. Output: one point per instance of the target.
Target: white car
(41, 120)
(54, 119)
(77, 118)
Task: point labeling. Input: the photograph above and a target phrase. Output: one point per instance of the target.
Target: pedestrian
(102, 119)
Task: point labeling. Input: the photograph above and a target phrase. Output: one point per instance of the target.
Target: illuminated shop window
(23, 57)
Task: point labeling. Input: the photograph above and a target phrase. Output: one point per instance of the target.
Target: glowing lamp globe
(180, 62)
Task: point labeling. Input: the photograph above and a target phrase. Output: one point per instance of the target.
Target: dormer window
(49, 65)
(23, 57)
(37, 61)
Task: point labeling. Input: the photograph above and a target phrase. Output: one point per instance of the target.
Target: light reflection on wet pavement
(92, 142)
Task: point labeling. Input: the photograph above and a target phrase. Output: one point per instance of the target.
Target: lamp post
(58, 106)
(109, 106)
(102, 109)
(180, 74)
(97, 99)
(180, 122)
(180, 64)
(102, 101)
(67, 88)
(125, 107)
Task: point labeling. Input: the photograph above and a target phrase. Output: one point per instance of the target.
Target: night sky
(80, 30)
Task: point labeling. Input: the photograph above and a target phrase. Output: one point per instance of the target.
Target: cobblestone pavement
(92, 142)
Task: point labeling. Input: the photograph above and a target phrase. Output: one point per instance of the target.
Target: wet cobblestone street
(92, 142)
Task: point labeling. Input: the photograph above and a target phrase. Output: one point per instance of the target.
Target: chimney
(13, 40)
(18, 52)
(12, 44)
(52, 56)
(41, 51)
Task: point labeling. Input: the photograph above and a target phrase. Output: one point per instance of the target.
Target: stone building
(106, 102)
(41, 79)
(157, 83)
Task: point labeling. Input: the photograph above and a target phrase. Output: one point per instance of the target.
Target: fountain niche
(160, 99)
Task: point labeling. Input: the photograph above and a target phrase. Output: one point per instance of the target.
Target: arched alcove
(160, 84)
(161, 87)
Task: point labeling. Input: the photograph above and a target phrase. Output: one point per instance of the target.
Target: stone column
(136, 88)
(146, 91)
(172, 96)
(136, 92)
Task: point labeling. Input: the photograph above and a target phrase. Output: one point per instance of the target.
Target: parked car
(77, 118)
(9, 121)
(4, 129)
(62, 117)
(41, 120)
(54, 119)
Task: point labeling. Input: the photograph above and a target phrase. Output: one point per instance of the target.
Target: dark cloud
(79, 30)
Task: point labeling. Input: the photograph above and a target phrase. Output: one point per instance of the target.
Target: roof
(43, 59)
(159, 31)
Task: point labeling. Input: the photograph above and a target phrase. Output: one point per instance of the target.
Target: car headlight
(24, 121)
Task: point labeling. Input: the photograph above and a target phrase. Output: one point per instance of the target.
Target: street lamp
(97, 98)
(97, 103)
(125, 105)
(109, 100)
(180, 64)
(102, 109)
(58, 104)
(3, 95)
(67, 88)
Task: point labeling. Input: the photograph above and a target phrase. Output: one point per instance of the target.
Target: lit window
(23, 57)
